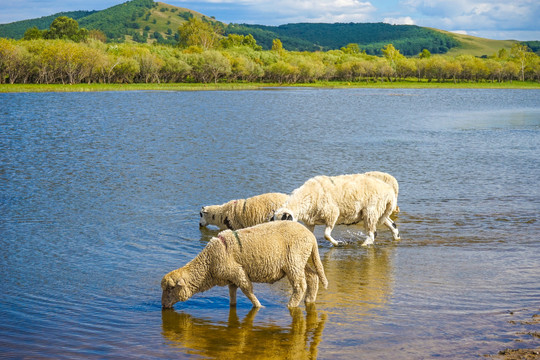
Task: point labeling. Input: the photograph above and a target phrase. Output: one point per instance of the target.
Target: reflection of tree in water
(244, 339)
(359, 280)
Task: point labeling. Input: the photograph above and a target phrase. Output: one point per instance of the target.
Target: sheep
(242, 213)
(390, 180)
(344, 199)
(263, 253)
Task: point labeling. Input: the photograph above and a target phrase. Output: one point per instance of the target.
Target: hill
(147, 21)
(16, 29)
(137, 20)
(371, 37)
(476, 46)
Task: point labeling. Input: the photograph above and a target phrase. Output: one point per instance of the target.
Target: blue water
(100, 195)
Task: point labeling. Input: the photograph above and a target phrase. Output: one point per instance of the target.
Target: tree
(97, 35)
(351, 49)
(521, 54)
(282, 71)
(33, 33)
(196, 32)
(425, 54)
(277, 46)
(236, 40)
(11, 61)
(210, 65)
(66, 28)
(392, 55)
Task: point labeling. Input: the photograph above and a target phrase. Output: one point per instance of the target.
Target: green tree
(425, 54)
(351, 48)
(521, 54)
(66, 28)
(33, 33)
(210, 65)
(392, 55)
(196, 32)
(12, 61)
(236, 40)
(502, 54)
(281, 72)
(277, 46)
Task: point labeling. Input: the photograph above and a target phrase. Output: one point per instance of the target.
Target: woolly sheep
(242, 213)
(389, 179)
(264, 253)
(342, 200)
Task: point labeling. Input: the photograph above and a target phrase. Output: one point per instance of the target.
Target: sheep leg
(299, 285)
(310, 227)
(370, 239)
(312, 280)
(241, 280)
(327, 236)
(371, 226)
(232, 294)
(393, 227)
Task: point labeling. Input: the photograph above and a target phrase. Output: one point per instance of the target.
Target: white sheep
(389, 179)
(264, 253)
(242, 213)
(342, 200)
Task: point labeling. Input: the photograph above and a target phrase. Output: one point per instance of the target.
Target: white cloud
(476, 14)
(406, 20)
(320, 10)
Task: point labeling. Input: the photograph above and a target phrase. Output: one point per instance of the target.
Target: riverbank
(410, 84)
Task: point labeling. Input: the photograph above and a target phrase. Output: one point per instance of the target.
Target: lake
(101, 193)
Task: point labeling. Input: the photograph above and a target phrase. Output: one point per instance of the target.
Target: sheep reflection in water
(245, 338)
(360, 280)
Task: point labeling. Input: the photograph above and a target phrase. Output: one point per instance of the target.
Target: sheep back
(242, 213)
(344, 196)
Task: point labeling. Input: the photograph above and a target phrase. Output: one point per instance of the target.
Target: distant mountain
(371, 37)
(148, 21)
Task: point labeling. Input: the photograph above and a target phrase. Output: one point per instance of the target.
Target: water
(100, 194)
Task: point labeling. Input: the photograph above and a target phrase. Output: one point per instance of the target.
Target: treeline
(371, 37)
(237, 58)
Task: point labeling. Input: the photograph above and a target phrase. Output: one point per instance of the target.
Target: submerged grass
(411, 84)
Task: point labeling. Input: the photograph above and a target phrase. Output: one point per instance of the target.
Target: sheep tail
(318, 264)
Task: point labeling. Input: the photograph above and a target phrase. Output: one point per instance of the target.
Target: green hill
(138, 20)
(15, 30)
(371, 37)
(147, 21)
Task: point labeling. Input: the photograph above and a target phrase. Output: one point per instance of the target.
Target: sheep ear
(181, 282)
(170, 283)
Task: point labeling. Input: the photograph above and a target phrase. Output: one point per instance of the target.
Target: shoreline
(403, 84)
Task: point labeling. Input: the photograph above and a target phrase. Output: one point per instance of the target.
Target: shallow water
(100, 195)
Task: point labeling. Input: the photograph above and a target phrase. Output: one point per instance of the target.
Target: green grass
(409, 84)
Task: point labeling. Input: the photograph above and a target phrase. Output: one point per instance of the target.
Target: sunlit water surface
(100, 195)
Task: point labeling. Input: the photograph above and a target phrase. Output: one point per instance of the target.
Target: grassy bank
(410, 84)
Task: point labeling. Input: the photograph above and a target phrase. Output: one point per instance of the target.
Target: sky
(493, 19)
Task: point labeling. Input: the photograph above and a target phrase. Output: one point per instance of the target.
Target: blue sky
(494, 19)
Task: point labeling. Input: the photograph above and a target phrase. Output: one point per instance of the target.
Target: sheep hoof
(368, 242)
(340, 243)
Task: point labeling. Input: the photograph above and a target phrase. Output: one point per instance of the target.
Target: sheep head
(174, 288)
(208, 215)
(283, 214)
